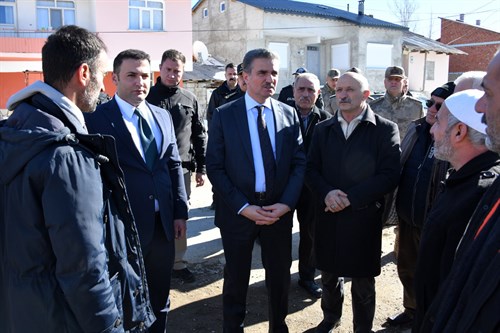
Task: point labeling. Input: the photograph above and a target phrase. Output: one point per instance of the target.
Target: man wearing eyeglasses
(395, 105)
(419, 174)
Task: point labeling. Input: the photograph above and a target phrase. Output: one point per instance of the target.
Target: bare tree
(404, 10)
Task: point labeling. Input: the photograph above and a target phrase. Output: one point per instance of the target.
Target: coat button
(118, 322)
(151, 197)
(141, 325)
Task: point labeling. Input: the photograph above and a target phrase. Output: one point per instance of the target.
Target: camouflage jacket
(401, 110)
(329, 99)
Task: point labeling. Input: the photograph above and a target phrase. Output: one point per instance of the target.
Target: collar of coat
(368, 117)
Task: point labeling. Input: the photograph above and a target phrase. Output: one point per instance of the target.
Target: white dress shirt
(348, 128)
(132, 122)
(252, 114)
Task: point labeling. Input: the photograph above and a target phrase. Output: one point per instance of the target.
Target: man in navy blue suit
(256, 164)
(149, 157)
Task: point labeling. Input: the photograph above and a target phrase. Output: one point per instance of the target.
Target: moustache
(232, 79)
(345, 100)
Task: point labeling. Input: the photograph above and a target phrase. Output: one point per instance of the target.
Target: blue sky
(427, 12)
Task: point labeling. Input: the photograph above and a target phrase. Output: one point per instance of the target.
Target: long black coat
(446, 223)
(366, 167)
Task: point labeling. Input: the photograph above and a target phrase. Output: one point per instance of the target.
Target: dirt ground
(197, 307)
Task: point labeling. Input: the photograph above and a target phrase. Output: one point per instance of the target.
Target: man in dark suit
(148, 155)
(256, 165)
(353, 161)
(305, 92)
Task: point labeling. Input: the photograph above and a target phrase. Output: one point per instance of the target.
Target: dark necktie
(147, 141)
(266, 149)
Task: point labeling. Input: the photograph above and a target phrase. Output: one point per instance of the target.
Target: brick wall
(455, 32)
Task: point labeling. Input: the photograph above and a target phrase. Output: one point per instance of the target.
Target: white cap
(462, 105)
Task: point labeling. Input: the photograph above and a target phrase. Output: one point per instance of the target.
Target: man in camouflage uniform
(395, 105)
(328, 90)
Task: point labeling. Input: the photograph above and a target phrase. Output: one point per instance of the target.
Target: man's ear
(366, 94)
(460, 132)
(83, 74)
(115, 79)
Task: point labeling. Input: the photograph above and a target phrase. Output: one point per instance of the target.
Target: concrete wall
(231, 34)
(367, 35)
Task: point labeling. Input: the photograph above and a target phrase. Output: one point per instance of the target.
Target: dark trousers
(363, 300)
(305, 216)
(159, 259)
(276, 248)
(409, 240)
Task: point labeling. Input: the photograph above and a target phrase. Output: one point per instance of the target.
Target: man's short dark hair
(66, 50)
(251, 55)
(173, 55)
(129, 54)
(230, 65)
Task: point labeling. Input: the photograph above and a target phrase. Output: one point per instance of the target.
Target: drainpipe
(425, 71)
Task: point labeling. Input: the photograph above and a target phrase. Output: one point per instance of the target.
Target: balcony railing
(25, 33)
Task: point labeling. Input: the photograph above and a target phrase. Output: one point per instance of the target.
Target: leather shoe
(183, 274)
(326, 326)
(311, 287)
(401, 319)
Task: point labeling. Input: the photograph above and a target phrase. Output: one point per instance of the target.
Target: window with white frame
(53, 14)
(205, 12)
(222, 7)
(145, 15)
(341, 56)
(378, 56)
(282, 50)
(7, 12)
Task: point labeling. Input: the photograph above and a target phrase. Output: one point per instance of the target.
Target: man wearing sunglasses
(420, 172)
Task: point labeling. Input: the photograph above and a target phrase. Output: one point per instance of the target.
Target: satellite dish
(200, 51)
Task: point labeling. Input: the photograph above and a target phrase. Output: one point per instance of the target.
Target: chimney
(347, 7)
(478, 22)
(462, 17)
(361, 7)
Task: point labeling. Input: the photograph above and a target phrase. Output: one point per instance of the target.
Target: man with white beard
(459, 137)
(470, 300)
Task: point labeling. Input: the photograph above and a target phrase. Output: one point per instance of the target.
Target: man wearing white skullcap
(459, 138)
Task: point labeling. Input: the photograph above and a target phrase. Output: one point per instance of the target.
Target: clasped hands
(335, 201)
(265, 215)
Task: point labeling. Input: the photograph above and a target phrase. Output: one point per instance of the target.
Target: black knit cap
(445, 90)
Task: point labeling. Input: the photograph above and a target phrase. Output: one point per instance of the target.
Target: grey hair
(311, 77)
(251, 55)
(476, 138)
(472, 78)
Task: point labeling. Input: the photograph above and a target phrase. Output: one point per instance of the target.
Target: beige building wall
(240, 28)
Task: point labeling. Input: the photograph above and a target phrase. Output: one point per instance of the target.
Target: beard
(443, 150)
(492, 144)
(87, 102)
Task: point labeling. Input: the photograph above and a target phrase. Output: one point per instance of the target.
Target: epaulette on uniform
(414, 100)
(376, 101)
